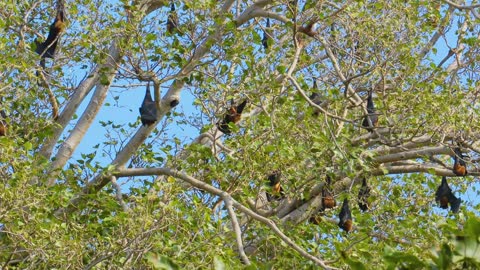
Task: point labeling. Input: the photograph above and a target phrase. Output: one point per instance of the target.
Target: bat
(148, 110)
(328, 201)
(274, 183)
(233, 115)
(345, 216)
(363, 195)
(267, 36)
(443, 191)
(47, 48)
(315, 97)
(444, 196)
(459, 166)
(371, 120)
(172, 20)
(309, 30)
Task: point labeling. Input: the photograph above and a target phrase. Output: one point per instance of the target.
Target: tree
(144, 197)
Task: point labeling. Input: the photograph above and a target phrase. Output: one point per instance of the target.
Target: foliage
(95, 189)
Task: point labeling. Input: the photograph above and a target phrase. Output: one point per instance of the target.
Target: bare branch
(118, 193)
(236, 228)
(458, 6)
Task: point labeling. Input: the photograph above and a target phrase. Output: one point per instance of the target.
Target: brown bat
(234, 114)
(47, 48)
(459, 166)
(444, 196)
(277, 190)
(345, 216)
(328, 201)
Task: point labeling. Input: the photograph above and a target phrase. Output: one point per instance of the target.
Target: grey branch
(212, 190)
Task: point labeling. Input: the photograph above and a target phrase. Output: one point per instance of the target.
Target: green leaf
(161, 262)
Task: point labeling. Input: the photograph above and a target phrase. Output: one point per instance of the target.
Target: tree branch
(212, 190)
(236, 228)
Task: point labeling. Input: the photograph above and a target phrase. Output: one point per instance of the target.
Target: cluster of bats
(148, 116)
(148, 109)
(443, 196)
(47, 48)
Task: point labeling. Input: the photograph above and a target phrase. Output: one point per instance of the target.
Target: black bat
(266, 35)
(148, 110)
(172, 20)
(277, 190)
(371, 120)
(459, 165)
(363, 194)
(234, 114)
(345, 216)
(444, 196)
(315, 97)
(47, 48)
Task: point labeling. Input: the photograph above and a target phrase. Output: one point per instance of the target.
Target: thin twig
(118, 193)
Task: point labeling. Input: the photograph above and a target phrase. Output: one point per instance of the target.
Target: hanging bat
(328, 201)
(363, 195)
(371, 120)
(47, 48)
(444, 196)
(234, 114)
(172, 20)
(345, 216)
(315, 97)
(148, 110)
(3, 123)
(459, 166)
(310, 29)
(277, 190)
(267, 35)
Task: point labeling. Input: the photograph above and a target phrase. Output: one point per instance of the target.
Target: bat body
(328, 201)
(274, 183)
(459, 165)
(371, 120)
(234, 114)
(345, 216)
(266, 35)
(363, 195)
(172, 20)
(444, 196)
(148, 110)
(315, 97)
(47, 48)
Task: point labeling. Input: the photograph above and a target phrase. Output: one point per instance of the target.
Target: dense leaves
(94, 188)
